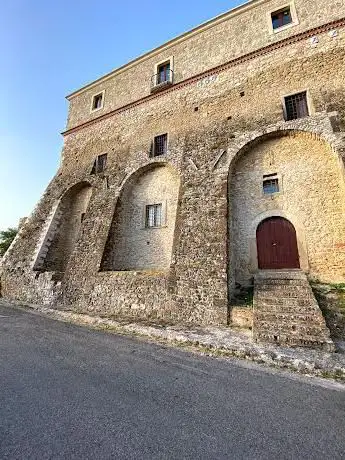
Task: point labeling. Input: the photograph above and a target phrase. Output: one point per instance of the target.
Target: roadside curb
(218, 342)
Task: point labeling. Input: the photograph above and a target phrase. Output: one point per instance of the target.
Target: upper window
(99, 164)
(163, 75)
(296, 106)
(281, 18)
(160, 145)
(163, 72)
(97, 101)
(153, 216)
(270, 184)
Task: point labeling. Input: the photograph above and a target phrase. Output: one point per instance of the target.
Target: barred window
(153, 215)
(281, 18)
(296, 106)
(160, 145)
(270, 185)
(99, 164)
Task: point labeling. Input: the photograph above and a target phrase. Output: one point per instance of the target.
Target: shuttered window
(99, 164)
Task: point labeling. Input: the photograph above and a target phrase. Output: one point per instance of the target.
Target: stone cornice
(220, 68)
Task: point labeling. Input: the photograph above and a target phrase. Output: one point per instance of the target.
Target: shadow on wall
(64, 229)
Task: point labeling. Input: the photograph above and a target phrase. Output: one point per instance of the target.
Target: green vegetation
(243, 296)
(331, 298)
(6, 238)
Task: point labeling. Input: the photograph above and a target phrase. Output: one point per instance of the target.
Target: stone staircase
(286, 311)
(48, 233)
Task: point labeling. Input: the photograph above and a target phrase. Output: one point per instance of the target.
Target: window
(153, 216)
(97, 101)
(296, 106)
(270, 184)
(160, 145)
(281, 18)
(99, 164)
(163, 73)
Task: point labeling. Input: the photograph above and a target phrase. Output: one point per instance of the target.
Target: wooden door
(277, 244)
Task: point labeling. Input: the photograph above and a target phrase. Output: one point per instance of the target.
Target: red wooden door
(277, 244)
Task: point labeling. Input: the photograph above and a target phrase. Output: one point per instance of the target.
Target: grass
(331, 299)
(243, 297)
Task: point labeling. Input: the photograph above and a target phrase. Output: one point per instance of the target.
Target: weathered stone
(85, 246)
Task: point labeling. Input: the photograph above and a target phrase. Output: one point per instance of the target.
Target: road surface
(67, 392)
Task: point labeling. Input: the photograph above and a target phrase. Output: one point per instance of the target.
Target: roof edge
(180, 38)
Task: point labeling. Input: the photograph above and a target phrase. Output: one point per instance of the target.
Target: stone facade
(224, 116)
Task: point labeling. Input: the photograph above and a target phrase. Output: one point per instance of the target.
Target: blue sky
(52, 48)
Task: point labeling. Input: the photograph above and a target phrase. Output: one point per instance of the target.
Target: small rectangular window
(97, 101)
(163, 73)
(270, 186)
(99, 164)
(160, 145)
(296, 106)
(281, 18)
(153, 215)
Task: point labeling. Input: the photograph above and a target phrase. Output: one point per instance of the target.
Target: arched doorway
(277, 244)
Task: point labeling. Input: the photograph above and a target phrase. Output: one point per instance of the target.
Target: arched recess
(132, 243)
(63, 228)
(311, 195)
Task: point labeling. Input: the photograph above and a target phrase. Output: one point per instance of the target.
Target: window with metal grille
(270, 186)
(163, 72)
(153, 216)
(97, 101)
(99, 164)
(281, 18)
(160, 145)
(296, 106)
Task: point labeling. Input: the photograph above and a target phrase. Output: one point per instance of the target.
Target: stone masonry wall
(312, 199)
(132, 246)
(236, 34)
(208, 121)
(73, 207)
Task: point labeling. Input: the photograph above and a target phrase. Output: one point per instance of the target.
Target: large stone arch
(130, 245)
(312, 198)
(62, 228)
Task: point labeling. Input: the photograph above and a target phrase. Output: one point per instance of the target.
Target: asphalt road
(73, 393)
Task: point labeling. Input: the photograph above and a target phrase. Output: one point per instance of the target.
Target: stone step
(269, 304)
(271, 284)
(286, 294)
(271, 275)
(269, 316)
(286, 311)
(274, 288)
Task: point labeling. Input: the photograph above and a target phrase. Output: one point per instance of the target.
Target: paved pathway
(73, 393)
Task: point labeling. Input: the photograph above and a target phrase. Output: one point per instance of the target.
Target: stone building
(208, 163)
